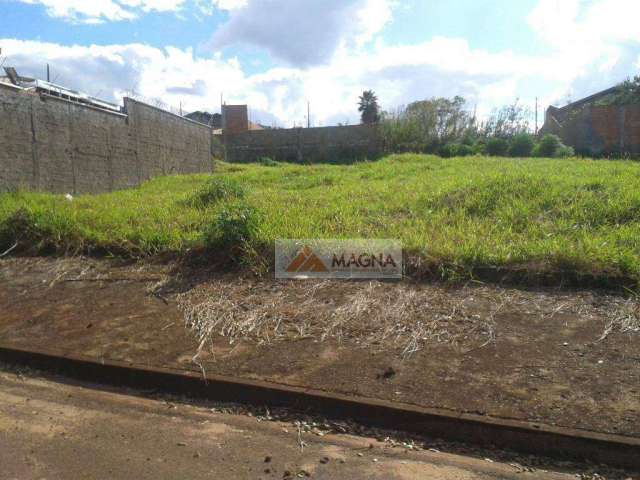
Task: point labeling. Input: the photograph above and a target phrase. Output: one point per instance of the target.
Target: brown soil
(61, 431)
(536, 355)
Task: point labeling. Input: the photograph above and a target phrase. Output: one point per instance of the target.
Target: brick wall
(54, 145)
(597, 130)
(308, 145)
(235, 119)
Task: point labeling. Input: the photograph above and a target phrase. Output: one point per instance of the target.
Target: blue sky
(277, 54)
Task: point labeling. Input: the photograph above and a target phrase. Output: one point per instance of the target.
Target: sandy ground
(55, 430)
(536, 356)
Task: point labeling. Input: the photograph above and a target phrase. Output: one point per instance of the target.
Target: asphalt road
(50, 429)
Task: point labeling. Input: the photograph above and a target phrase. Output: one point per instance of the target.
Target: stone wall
(55, 145)
(597, 130)
(305, 145)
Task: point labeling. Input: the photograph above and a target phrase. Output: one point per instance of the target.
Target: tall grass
(545, 214)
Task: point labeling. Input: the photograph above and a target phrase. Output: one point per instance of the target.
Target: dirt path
(543, 364)
(56, 430)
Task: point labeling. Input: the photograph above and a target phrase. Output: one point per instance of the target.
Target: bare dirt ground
(566, 358)
(58, 430)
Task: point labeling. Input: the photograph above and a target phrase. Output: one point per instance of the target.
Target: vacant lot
(455, 217)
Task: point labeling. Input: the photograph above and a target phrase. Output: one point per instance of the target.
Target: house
(597, 125)
(236, 119)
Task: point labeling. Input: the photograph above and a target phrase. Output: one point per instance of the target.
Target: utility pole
(48, 74)
(308, 114)
(536, 116)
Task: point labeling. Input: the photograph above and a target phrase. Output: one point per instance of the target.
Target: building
(596, 125)
(235, 119)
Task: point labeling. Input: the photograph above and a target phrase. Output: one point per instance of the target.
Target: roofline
(590, 98)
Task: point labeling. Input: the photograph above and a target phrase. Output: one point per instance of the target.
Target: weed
(234, 228)
(218, 189)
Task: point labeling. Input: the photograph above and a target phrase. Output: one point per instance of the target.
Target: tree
(627, 92)
(507, 121)
(368, 107)
(442, 120)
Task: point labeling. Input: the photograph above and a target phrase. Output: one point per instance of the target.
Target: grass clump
(218, 189)
(234, 228)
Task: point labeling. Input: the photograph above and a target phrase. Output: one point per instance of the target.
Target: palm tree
(368, 107)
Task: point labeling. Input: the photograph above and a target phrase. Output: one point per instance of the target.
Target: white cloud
(594, 44)
(304, 33)
(96, 11)
(577, 62)
(398, 74)
(229, 4)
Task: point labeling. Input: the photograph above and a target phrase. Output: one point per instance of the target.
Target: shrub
(565, 151)
(480, 148)
(219, 189)
(465, 150)
(448, 150)
(497, 147)
(536, 150)
(548, 146)
(234, 227)
(521, 145)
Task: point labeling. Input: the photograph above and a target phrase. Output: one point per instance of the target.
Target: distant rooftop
(13, 78)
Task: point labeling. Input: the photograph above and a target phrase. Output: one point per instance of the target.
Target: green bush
(234, 227)
(480, 148)
(548, 146)
(464, 150)
(449, 150)
(218, 189)
(456, 150)
(497, 147)
(522, 145)
(565, 151)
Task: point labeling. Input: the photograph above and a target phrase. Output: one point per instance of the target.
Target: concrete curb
(613, 450)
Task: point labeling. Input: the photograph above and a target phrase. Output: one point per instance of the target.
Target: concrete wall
(54, 145)
(308, 145)
(597, 130)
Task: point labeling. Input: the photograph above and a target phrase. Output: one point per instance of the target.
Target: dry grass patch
(386, 316)
(364, 314)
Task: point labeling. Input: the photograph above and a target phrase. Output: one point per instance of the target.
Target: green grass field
(462, 213)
